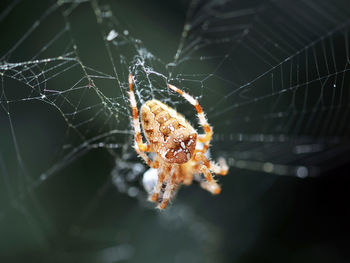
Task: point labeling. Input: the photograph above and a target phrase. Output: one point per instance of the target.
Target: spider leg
(184, 174)
(203, 138)
(220, 167)
(205, 168)
(139, 146)
(169, 189)
(159, 186)
(188, 179)
(210, 184)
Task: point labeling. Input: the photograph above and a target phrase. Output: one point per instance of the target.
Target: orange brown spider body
(168, 132)
(174, 141)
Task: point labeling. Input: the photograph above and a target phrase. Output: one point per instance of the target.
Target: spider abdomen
(170, 135)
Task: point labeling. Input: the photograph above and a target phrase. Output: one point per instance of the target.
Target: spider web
(272, 77)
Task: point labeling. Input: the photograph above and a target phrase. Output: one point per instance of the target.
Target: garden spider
(173, 140)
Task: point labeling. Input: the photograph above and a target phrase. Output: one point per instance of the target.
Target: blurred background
(273, 78)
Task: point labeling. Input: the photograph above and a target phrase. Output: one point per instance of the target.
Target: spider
(173, 140)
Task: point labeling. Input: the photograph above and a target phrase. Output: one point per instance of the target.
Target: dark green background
(78, 215)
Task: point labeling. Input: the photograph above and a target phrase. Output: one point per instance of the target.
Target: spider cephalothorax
(174, 141)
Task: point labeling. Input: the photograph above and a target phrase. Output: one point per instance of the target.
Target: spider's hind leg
(139, 146)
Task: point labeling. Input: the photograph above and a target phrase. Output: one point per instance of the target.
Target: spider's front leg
(203, 138)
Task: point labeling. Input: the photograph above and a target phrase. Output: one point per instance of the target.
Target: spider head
(179, 146)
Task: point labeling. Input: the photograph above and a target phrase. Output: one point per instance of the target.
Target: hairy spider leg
(165, 186)
(205, 168)
(203, 138)
(187, 179)
(159, 185)
(220, 168)
(210, 184)
(169, 188)
(139, 146)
